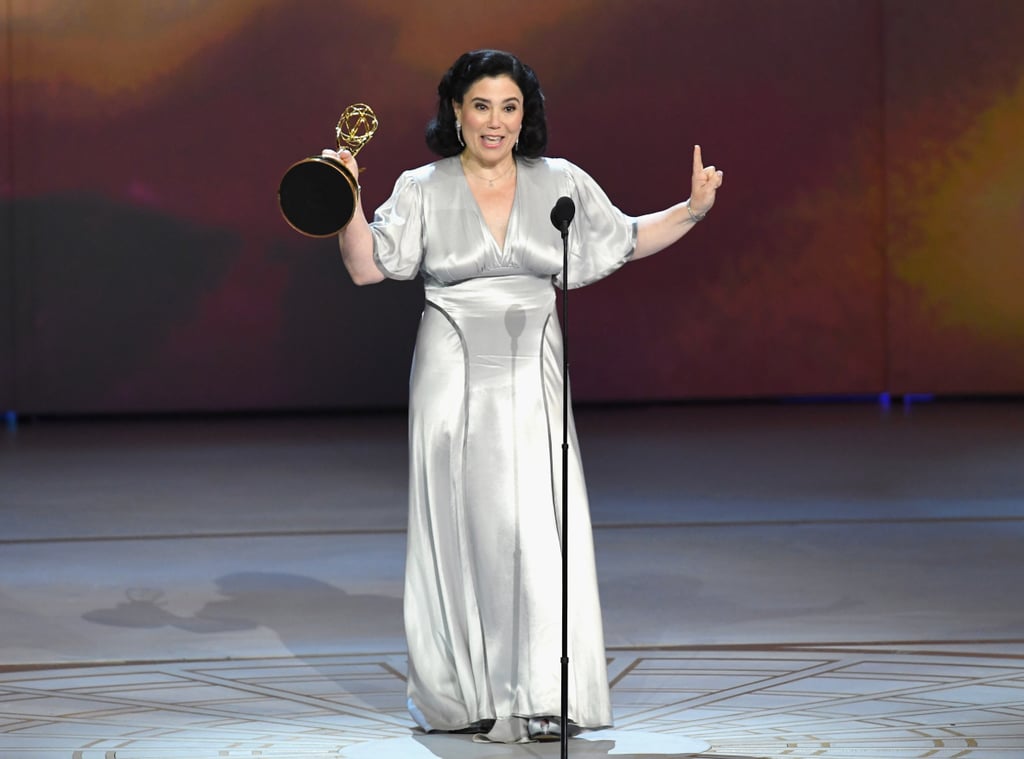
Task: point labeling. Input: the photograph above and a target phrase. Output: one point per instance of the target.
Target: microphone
(562, 213)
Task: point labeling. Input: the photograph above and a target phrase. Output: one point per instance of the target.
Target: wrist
(694, 215)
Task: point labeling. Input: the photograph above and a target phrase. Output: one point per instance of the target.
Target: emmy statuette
(318, 195)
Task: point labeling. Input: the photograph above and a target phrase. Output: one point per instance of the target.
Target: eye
(480, 106)
(511, 108)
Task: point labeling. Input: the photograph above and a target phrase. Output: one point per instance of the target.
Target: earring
(458, 133)
(516, 146)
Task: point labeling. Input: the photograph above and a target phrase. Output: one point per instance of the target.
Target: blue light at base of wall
(885, 400)
(845, 398)
(911, 398)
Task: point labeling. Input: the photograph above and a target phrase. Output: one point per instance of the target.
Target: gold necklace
(490, 180)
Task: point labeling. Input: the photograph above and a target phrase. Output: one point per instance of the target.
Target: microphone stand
(561, 216)
(564, 737)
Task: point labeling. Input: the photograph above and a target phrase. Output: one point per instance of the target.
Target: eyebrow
(479, 99)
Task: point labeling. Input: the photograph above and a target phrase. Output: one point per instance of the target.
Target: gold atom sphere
(356, 126)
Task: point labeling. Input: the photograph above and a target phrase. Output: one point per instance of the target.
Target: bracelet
(694, 217)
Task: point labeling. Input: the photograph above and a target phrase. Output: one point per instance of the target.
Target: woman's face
(491, 114)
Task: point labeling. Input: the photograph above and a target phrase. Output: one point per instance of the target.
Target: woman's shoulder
(428, 176)
(443, 167)
(551, 165)
(544, 163)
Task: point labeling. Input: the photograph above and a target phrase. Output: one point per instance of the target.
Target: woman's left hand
(703, 185)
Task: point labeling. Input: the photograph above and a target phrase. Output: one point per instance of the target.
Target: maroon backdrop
(868, 237)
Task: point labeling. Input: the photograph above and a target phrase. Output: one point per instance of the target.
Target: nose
(494, 119)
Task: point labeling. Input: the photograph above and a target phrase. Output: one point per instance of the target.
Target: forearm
(356, 244)
(656, 231)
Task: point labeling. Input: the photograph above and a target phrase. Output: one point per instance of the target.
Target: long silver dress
(483, 565)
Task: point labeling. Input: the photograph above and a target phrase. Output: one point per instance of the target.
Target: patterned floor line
(837, 702)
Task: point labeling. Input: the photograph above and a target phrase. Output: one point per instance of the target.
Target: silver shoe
(544, 729)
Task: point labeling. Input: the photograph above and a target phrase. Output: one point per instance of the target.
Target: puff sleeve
(397, 229)
(601, 238)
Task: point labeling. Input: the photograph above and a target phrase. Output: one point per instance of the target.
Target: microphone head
(562, 213)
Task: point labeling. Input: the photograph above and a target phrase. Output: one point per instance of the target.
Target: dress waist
(487, 297)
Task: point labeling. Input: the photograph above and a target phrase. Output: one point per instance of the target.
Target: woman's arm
(656, 231)
(355, 240)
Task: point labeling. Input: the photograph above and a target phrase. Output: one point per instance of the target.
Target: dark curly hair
(475, 65)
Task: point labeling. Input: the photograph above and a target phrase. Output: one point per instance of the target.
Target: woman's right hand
(345, 158)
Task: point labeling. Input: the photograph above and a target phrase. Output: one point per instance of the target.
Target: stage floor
(835, 581)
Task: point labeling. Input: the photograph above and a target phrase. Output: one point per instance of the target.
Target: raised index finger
(698, 163)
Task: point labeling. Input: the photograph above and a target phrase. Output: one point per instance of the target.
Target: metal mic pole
(565, 492)
(561, 216)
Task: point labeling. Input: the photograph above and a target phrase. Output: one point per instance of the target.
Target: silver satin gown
(483, 566)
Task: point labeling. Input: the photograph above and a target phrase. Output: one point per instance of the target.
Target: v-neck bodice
(474, 201)
(432, 225)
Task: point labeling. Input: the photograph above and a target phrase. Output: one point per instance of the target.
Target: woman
(483, 593)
